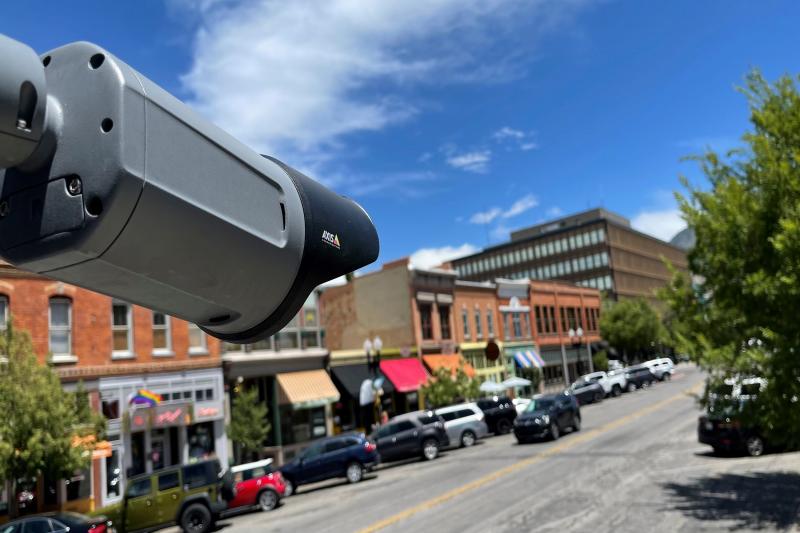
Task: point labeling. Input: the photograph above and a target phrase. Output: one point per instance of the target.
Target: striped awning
(306, 389)
(529, 359)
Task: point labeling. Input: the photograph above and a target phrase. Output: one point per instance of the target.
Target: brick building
(115, 349)
(595, 248)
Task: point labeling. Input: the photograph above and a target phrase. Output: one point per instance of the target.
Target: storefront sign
(179, 414)
(209, 412)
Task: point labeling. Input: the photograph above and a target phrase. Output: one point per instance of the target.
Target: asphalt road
(635, 466)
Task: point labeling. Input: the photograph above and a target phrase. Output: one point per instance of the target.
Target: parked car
(639, 377)
(191, 496)
(723, 427)
(464, 423)
(500, 413)
(662, 368)
(520, 404)
(258, 484)
(587, 391)
(615, 365)
(613, 383)
(421, 433)
(347, 456)
(548, 416)
(59, 523)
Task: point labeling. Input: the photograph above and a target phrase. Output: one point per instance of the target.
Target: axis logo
(330, 238)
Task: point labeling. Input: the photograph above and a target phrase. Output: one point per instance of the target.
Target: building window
(122, 329)
(286, 340)
(198, 344)
(425, 321)
(465, 324)
(516, 324)
(564, 324)
(60, 327)
(478, 329)
(490, 323)
(444, 320)
(162, 340)
(3, 312)
(538, 311)
(582, 263)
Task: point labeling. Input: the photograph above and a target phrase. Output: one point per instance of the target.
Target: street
(636, 465)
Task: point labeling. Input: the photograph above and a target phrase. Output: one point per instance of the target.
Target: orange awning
(450, 362)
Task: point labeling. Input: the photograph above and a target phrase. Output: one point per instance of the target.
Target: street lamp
(579, 335)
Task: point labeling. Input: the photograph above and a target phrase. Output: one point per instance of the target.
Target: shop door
(158, 450)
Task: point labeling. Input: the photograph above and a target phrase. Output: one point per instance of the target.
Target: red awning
(405, 374)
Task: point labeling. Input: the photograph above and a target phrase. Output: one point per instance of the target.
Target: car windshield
(542, 404)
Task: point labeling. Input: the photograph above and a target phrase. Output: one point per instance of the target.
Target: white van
(464, 423)
(662, 368)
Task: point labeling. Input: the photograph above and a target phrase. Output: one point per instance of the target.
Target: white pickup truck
(613, 383)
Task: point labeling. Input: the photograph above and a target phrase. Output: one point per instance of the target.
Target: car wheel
(631, 387)
(267, 500)
(666, 377)
(554, 432)
(597, 398)
(754, 446)
(355, 472)
(196, 518)
(288, 487)
(430, 450)
(576, 423)
(468, 439)
(503, 426)
(616, 390)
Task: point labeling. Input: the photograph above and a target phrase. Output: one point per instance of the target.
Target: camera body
(129, 192)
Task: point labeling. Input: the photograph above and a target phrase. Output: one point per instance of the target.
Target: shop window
(79, 486)
(198, 343)
(122, 328)
(310, 339)
(162, 341)
(113, 474)
(60, 326)
(444, 320)
(478, 329)
(286, 340)
(110, 408)
(200, 438)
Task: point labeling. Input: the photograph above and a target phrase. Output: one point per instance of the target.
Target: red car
(257, 484)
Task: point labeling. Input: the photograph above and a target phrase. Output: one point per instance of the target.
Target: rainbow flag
(145, 397)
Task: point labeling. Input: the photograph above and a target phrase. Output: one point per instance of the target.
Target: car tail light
(102, 527)
(370, 446)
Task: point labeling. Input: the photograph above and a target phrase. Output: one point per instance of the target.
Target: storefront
(577, 364)
(474, 354)
(348, 413)
(185, 425)
(407, 375)
(304, 400)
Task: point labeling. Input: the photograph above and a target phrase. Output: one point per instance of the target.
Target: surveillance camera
(112, 184)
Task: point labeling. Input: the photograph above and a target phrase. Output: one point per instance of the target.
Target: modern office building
(595, 248)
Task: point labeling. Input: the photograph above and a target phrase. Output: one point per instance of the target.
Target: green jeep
(191, 496)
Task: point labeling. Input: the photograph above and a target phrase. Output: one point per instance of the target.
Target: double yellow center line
(558, 448)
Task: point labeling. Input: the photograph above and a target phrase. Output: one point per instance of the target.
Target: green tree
(249, 425)
(43, 429)
(738, 313)
(600, 361)
(446, 387)
(631, 325)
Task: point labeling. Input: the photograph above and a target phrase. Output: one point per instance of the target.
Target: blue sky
(455, 121)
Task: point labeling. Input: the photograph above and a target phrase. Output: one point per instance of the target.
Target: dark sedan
(59, 523)
(587, 391)
(639, 377)
(548, 416)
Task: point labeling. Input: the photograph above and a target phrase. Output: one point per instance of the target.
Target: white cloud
(525, 203)
(508, 133)
(476, 161)
(528, 201)
(660, 223)
(485, 217)
(554, 211)
(432, 257)
(528, 146)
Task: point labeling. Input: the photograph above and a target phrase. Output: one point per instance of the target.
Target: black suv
(500, 413)
(548, 416)
(347, 456)
(412, 434)
(639, 377)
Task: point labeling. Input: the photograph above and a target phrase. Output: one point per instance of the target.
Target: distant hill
(684, 239)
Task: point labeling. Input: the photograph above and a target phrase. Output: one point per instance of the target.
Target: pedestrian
(384, 417)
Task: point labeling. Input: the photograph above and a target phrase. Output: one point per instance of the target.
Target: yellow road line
(558, 448)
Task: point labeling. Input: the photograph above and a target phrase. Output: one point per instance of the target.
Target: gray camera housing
(130, 193)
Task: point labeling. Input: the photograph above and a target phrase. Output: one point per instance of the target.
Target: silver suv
(464, 423)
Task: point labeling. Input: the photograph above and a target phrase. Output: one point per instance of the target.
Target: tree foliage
(738, 314)
(249, 425)
(446, 387)
(600, 361)
(631, 325)
(43, 430)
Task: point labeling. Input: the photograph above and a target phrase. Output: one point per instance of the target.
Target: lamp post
(579, 335)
